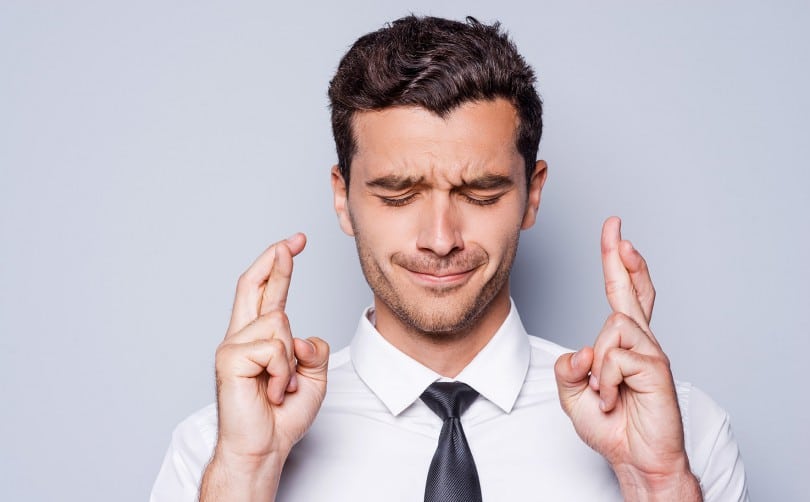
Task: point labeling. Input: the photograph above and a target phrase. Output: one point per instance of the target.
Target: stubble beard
(438, 323)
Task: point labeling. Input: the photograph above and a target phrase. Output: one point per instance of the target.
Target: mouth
(443, 278)
(446, 274)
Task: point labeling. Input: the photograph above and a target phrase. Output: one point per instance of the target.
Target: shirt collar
(497, 372)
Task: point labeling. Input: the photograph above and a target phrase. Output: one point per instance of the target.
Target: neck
(446, 355)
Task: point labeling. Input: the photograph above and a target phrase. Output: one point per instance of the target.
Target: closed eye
(397, 201)
(482, 201)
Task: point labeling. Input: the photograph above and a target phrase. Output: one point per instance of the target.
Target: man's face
(436, 206)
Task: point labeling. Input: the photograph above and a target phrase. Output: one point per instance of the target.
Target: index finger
(619, 288)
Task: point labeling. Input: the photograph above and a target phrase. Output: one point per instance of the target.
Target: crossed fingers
(265, 345)
(625, 350)
(263, 287)
(622, 353)
(259, 339)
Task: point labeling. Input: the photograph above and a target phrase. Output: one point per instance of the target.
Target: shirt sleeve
(190, 450)
(710, 445)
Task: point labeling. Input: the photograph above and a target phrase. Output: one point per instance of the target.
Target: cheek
(496, 233)
(492, 226)
(382, 231)
(382, 227)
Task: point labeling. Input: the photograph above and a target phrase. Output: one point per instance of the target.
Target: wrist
(241, 478)
(248, 464)
(679, 484)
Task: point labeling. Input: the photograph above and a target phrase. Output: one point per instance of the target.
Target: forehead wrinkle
(443, 160)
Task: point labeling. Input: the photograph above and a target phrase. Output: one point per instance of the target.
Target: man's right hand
(269, 384)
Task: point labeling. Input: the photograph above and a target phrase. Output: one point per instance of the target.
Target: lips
(453, 270)
(440, 272)
(432, 274)
(445, 280)
(447, 275)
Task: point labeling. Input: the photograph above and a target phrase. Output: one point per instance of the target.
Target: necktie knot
(452, 476)
(449, 399)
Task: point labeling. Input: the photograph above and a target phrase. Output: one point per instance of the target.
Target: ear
(341, 201)
(536, 183)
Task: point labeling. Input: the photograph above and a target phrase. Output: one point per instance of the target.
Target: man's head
(438, 123)
(435, 64)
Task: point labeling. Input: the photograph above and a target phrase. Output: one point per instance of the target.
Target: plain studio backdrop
(149, 151)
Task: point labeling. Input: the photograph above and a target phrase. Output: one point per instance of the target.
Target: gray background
(150, 150)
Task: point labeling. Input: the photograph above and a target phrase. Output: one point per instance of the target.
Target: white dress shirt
(373, 438)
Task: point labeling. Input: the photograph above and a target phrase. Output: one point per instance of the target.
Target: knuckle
(610, 356)
(277, 318)
(613, 286)
(222, 350)
(222, 357)
(617, 319)
(278, 346)
(244, 280)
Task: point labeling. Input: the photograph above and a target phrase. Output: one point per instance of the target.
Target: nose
(439, 228)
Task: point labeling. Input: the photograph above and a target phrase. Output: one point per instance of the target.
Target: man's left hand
(620, 394)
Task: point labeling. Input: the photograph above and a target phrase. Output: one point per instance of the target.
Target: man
(437, 125)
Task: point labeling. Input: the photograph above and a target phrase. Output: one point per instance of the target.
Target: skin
(269, 385)
(620, 394)
(436, 206)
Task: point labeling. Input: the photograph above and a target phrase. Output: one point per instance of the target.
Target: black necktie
(452, 476)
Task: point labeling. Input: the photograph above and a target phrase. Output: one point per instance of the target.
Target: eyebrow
(393, 182)
(489, 182)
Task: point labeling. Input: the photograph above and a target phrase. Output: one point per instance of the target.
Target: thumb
(571, 371)
(313, 357)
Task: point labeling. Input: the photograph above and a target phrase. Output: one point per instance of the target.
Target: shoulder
(541, 346)
(714, 455)
(197, 434)
(544, 353)
(341, 371)
(190, 450)
(339, 359)
(345, 388)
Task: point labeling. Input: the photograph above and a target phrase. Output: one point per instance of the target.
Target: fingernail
(594, 382)
(602, 405)
(294, 380)
(575, 360)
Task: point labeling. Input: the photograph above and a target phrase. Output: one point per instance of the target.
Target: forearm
(233, 480)
(682, 486)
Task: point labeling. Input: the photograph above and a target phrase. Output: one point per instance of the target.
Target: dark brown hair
(436, 64)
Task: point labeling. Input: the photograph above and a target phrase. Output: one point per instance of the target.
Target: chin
(444, 317)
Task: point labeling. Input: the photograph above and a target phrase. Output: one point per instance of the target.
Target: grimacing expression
(436, 206)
